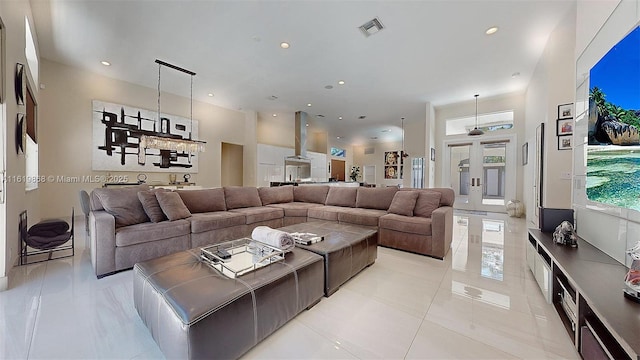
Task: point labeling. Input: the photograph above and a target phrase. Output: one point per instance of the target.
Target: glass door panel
(481, 172)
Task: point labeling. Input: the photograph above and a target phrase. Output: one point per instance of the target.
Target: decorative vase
(515, 208)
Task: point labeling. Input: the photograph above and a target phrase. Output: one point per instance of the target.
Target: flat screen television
(613, 149)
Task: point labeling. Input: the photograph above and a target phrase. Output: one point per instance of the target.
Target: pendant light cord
(158, 119)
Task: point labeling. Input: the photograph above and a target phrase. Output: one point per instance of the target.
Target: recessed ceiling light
(307, 124)
(105, 63)
(274, 115)
(337, 137)
(492, 30)
(284, 45)
(339, 117)
(309, 105)
(329, 87)
(210, 94)
(341, 82)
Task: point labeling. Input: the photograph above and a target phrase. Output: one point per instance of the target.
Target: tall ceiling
(429, 51)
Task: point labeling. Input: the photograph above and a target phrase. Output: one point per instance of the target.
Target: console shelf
(595, 313)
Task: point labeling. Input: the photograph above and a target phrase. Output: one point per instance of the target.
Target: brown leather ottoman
(193, 311)
(346, 249)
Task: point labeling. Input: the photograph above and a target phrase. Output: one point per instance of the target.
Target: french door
(482, 172)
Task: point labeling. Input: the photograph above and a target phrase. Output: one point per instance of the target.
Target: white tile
(436, 342)
(297, 341)
(362, 326)
(405, 305)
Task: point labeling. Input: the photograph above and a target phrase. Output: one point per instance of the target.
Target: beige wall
(280, 131)
(65, 131)
(232, 165)
(17, 199)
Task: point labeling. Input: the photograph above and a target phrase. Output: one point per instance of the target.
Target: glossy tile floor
(480, 302)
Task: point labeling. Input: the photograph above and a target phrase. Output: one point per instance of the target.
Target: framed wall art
(565, 111)
(565, 142)
(20, 84)
(21, 134)
(564, 127)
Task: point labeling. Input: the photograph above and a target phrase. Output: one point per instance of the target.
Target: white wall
(65, 132)
(552, 84)
(513, 101)
(599, 27)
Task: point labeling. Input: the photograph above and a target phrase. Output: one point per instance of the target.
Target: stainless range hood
(298, 167)
(300, 138)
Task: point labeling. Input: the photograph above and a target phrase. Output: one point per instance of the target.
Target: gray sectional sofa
(134, 224)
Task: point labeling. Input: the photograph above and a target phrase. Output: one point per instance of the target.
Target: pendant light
(161, 138)
(476, 131)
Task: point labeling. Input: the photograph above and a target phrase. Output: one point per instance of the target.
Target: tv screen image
(613, 150)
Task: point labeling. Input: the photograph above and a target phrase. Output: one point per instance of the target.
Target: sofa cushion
(150, 205)
(326, 212)
(202, 222)
(342, 196)
(276, 195)
(365, 217)
(375, 198)
(123, 204)
(427, 202)
(295, 209)
(404, 202)
(172, 205)
(310, 194)
(260, 213)
(241, 197)
(407, 224)
(146, 232)
(206, 200)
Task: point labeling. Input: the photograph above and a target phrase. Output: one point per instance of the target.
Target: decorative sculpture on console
(632, 279)
(564, 234)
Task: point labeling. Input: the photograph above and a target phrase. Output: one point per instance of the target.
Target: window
(30, 51)
(486, 122)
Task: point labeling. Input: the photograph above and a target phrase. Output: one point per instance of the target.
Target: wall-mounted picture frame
(565, 111)
(433, 154)
(564, 127)
(565, 142)
(525, 153)
(21, 134)
(20, 84)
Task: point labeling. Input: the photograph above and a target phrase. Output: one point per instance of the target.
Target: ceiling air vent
(371, 27)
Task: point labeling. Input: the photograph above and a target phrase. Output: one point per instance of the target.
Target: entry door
(481, 172)
(337, 170)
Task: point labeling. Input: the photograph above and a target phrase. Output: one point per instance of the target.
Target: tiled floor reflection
(481, 302)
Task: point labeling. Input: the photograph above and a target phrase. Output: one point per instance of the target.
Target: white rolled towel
(276, 238)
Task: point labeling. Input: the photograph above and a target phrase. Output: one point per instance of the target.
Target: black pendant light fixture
(476, 131)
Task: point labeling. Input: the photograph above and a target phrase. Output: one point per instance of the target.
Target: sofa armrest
(103, 242)
(441, 230)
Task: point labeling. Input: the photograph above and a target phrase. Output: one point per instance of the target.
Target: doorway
(337, 170)
(482, 172)
(232, 164)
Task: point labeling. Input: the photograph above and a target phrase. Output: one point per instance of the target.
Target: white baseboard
(4, 283)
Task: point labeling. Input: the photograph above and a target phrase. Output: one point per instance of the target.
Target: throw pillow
(276, 195)
(150, 205)
(172, 205)
(426, 203)
(123, 204)
(342, 196)
(403, 203)
(205, 200)
(375, 198)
